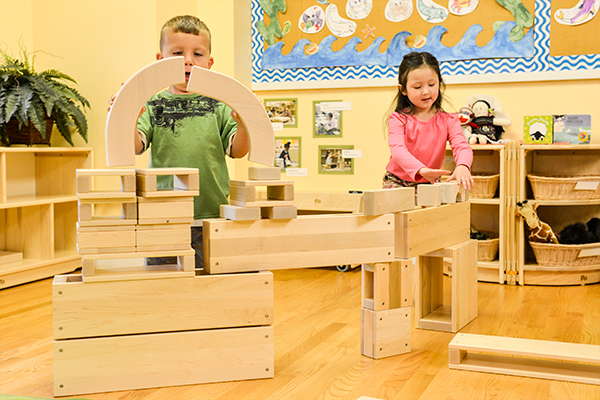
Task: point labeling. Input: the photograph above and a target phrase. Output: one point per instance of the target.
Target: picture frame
(332, 162)
(327, 122)
(294, 152)
(283, 110)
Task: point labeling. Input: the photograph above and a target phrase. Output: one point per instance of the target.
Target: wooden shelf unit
(38, 211)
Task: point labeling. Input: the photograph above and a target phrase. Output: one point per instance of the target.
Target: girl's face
(422, 88)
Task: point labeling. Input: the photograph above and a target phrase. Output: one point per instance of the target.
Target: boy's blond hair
(185, 24)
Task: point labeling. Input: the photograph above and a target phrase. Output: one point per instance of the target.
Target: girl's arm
(462, 152)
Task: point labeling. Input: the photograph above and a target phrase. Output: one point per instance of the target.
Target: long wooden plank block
(106, 364)
(303, 242)
(534, 358)
(160, 305)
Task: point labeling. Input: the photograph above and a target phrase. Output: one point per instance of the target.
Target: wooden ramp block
(383, 201)
(387, 285)
(105, 239)
(163, 237)
(429, 195)
(184, 268)
(236, 213)
(89, 214)
(129, 362)
(262, 173)
(164, 210)
(423, 230)
(385, 333)
(303, 242)
(160, 305)
(572, 362)
(185, 182)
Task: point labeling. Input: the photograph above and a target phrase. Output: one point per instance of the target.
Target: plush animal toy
(580, 233)
(488, 119)
(538, 231)
(465, 116)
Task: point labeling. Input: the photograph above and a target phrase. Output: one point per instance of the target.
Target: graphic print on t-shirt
(167, 113)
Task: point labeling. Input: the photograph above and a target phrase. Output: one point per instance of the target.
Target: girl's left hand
(463, 177)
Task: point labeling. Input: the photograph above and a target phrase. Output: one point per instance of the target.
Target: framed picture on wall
(327, 121)
(283, 110)
(287, 152)
(332, 160)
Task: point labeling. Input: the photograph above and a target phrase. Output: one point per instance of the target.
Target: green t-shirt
(191, 131)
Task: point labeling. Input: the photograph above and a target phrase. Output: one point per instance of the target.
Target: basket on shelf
(563, 187)
(487, 250)
(485, 186)
(566, 255)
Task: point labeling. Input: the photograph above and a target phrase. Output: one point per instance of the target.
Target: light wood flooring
(317, 345)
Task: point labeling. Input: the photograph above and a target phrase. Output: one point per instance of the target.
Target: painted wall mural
(325, 42)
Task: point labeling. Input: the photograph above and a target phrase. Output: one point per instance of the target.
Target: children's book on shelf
(572, 129)
(538, 129)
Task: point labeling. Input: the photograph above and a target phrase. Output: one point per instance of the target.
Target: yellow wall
(101, 43)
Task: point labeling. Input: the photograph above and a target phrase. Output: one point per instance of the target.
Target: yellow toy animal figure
(538, 231)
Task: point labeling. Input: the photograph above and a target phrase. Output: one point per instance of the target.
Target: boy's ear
(211, 62)
(159, 56)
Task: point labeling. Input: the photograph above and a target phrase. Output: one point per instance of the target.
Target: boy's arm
(239, 145)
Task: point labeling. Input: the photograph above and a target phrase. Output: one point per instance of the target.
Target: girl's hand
(432, 174)
(463, 177)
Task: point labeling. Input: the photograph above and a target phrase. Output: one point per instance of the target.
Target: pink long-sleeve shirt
(415, 144)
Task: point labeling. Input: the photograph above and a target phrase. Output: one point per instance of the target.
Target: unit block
(105, 239)
(452, 192)
(572, 362)
(260, 173)
(184, 267)
(163, 237)
(91, 214)
(160, 305)
(423, 230)
(164, 210)
(383, 201)
(279, 193)
(429, 195)
(236, 213)
(303, 242)
(329, 202)
(385, 333)
(430, 311)
(185, 182)
(125, 178)
(388, 285)
(130, 362)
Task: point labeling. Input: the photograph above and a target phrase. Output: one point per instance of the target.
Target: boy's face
(193, 48)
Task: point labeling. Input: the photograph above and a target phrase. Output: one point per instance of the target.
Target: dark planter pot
(28, 134)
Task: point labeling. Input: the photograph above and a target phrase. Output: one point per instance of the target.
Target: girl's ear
(401, 90)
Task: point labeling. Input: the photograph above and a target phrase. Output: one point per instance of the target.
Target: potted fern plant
(31, 103)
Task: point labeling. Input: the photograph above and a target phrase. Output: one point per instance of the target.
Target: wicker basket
(485, 186)
(565, 255)
(487, 249)
(562, 187)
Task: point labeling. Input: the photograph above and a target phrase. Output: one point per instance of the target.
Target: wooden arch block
(135, 92)
(261, 137)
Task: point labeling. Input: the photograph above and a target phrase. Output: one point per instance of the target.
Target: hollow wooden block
(184, 268)
(185, 182)
(162, 237)
(429, 195)
(236, 213)
(258, 173)
(430, 311)
(85, 192)
(89, 218)
(383, 201)
(387, 285)
(385, 333)
(105, 239)
(279, 212)
(427, 229)
(303, 242)
(160, 305)
(242, 194)
(129, 362)
(572, 362)
(165, 210)
(279, 193)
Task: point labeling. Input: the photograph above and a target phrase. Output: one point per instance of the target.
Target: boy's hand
(463, 177)
(432, 174)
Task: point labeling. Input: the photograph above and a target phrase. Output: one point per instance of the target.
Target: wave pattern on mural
(540, 62)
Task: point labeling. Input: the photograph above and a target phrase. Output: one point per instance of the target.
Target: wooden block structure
(430, 311)
(142, 333)
(440, 193)
(572, 362)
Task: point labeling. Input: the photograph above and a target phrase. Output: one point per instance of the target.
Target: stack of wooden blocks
(123, 328)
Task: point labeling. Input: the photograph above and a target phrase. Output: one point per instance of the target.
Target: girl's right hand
(433, 174)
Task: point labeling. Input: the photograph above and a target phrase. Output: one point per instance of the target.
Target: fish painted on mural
(583, 12)
(432, 13)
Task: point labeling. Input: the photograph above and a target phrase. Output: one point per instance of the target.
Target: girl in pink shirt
(419, 129)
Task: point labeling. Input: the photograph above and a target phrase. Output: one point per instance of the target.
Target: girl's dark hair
(410, 62)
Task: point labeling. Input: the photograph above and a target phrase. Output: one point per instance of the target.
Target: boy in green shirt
(188, 130)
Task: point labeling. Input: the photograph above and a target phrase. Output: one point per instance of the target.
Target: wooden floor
(317, 345)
